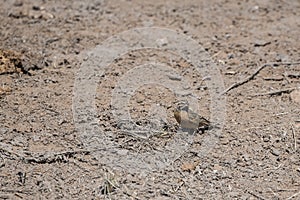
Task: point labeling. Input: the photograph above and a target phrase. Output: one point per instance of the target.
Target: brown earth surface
(44, 153)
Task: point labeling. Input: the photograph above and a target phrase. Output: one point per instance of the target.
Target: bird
(188, 119)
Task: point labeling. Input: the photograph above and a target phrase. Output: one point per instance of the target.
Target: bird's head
(182, 105)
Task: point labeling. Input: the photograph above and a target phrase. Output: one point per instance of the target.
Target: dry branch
(294, 195)
(235, 85)
(256, 195)
(54, 156)
(277, 92)
(294, 137)
(48, 157)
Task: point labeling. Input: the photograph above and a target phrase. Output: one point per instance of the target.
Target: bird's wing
(199, 120)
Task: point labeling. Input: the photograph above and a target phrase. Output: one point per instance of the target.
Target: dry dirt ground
(42, 154)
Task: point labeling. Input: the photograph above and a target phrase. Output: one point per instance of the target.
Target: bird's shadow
(200, 130)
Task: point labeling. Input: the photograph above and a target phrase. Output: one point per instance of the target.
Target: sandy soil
(47, 150)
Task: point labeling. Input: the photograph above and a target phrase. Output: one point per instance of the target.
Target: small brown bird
(188, 119)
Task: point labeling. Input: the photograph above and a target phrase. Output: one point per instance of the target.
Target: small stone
(224, 141)
(266, 139)
(261, 43)
(282, 58)
(122, 152)
(140, 98)
(36, 138)
(230, 73)
(230, 56)
(275, 152)
(36, 8)
(246, 157)
(297, 124)
(174, 77)
(217, 168)
(162, 42)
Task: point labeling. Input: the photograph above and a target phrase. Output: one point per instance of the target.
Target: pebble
(122, 152)
(174, 77)
(266, 139)
(140, 98)
(275, 152)
(162, 42)
(224, 141)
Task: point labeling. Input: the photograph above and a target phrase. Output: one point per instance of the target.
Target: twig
(284, 190)
(16, 191)
(42, 158)
(275, 194)
(247, 79)
(53, 156)
(294, 195)
(285, 76)
(279, 114)
(130, 195)
(277, 92)
(295, 142)
(235, 85)
(6, 148)
(256, 195)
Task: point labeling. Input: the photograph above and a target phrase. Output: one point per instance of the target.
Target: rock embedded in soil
(275, 152)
